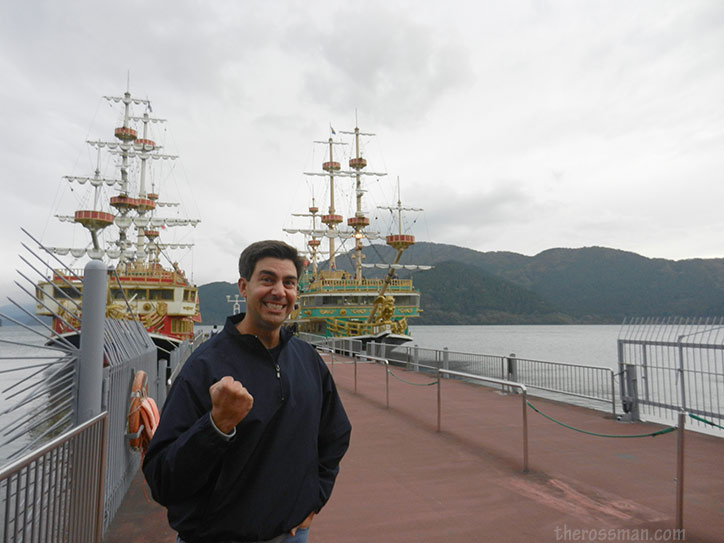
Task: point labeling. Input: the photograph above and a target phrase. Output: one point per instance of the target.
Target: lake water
(13, 382)
(593, 345)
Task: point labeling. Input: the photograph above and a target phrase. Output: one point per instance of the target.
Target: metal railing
(49, 498)
(56, 493)
(467, 376)
(130, 338)
(505, 384)
(342, 345)
(594, 385)
(501, 382)
(381, 360)
(673, 365)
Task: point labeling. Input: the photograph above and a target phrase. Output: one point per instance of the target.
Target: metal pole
(355, 375)
(387, 383)
(621, 373)
(525, 431)
(681, 374)
(680, 475)
(90, 369)
(438, 399)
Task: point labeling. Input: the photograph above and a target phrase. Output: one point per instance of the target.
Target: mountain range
(584, 285)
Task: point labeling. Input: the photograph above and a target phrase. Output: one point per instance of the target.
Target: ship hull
(331, 305)
(162, 300)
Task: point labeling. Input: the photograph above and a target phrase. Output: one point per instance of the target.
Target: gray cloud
(477, 105)
(382, 62)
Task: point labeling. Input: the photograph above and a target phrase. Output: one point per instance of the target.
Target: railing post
(160, 381)
(510, 372)
(525, 431)
(355, 374)
(631, 400)
(445, 359)
(90, 367)
(512, 368)
(416, 358)
(439, 399)
(682, 374)
(680, 475)
(387, 382)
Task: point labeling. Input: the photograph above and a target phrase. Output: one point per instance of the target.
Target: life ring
(149, 418)
(143, 410)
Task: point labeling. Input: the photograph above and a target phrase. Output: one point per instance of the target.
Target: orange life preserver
(143, 410)
(149, 417)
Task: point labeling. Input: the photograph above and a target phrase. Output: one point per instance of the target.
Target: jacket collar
(230, 327)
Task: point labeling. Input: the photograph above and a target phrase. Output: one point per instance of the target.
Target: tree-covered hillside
(591, 284)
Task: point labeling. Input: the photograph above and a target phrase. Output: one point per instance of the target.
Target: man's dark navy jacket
(281, 464)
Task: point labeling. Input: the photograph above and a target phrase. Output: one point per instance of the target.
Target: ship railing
(56, 493)
(373, 285)
(345, 328)
(151, 275)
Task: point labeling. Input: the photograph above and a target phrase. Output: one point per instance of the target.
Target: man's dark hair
(268, 248)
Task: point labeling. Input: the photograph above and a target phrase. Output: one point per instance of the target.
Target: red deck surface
(402, 481)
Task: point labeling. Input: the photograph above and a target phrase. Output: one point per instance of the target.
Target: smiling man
(253, 430)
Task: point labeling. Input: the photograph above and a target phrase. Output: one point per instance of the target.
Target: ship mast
(94, 220)
(359, 222)
(313, 243)
(123, 202)
(145, 204)
(399, 242)
(147, 200)
(331, 219)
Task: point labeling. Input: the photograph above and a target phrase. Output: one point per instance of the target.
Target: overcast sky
(518, 126)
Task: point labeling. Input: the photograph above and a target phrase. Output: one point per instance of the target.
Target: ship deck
(402, 481)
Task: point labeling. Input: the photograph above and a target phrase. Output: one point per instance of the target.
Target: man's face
(270, 292)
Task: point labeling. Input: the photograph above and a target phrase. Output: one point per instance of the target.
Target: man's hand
(306, 523)
(230, 403)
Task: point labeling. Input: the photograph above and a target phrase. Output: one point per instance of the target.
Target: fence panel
(673, 365)
(56, 493)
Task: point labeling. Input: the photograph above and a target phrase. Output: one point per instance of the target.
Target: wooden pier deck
(402, 481)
